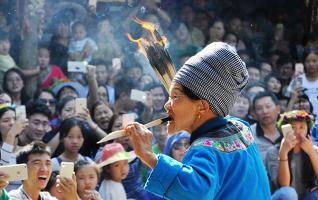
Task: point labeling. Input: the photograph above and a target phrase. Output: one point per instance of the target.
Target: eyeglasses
(179, 145)
(175, 98)
(48, 101)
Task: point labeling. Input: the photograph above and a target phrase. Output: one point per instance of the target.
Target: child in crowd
(48, 73)
(87, 176)
(115, 168)
(6, 61)
(81, 47)
(72, 138)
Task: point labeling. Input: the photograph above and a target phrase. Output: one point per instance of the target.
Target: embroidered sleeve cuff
(163, 175)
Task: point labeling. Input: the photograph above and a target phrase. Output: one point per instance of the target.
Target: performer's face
(181, 109)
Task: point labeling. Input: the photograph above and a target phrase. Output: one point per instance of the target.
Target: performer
(223, 161)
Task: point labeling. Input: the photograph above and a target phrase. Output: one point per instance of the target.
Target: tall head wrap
(216, 74)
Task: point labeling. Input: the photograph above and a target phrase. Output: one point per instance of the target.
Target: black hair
(271, 75)
(265, 94)
(43, 46)
(284, 60)
(96, 62)
(24, 96)
(98, 103)
(39, 92)
(62, 88)
(124, 85)
(37, 107)
(113, 119)
(309, 51)
(154, 85)
(68, 124)
(255, 84)
(61, 103)
(2, 112)
(33, 148)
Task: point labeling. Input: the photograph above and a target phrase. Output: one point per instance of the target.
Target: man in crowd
(37, 156)
(38, 115)
(266, 110)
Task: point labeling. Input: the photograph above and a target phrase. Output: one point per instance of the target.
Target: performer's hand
(141, 139)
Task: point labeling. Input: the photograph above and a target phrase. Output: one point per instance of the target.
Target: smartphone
(128, 118)
(67, 169)
(16, 172)
(80, 104)
(287, 129)
(20, 112)
(138, 95)
(299, 68)
(116, 63)
(73, 66)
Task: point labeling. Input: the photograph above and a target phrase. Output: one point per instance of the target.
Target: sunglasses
(180, 145)
(48, 101)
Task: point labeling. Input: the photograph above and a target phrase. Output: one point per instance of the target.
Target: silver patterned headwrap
(216, 74)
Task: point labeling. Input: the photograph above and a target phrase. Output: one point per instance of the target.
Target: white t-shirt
(311, 90)
(112, 190)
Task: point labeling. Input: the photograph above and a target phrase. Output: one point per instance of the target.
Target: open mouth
(42, 178)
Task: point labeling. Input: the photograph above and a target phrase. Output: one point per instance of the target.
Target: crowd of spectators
(269, 37)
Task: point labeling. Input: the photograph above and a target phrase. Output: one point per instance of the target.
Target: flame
(140, 42)
(155, 36)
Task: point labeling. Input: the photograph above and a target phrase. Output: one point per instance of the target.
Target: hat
(216, 74)
(80, 90)
(295, 115)
(173, 139)
(114, 152)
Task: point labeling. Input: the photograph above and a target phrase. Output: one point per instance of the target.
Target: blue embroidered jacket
(223, 162)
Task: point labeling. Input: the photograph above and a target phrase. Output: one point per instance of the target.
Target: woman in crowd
(101, 114)
(295, 162)
(273, 84)
(309, 80)
(241, 107)
(216, 31)
(10, 128)
(72, 138)
(14, 85)
(177, 145)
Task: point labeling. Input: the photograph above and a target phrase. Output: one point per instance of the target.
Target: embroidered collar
(209, 126)
(237, 136)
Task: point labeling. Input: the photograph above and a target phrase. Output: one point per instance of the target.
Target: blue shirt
(223, 163)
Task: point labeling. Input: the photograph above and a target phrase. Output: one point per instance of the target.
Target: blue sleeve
(196, 179)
